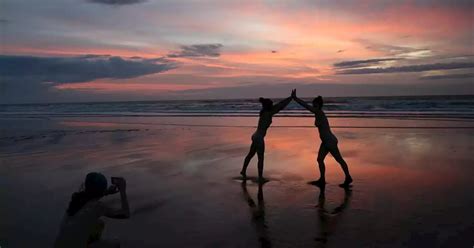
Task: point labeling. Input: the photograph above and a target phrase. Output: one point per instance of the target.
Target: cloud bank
(410, 68)
(449, 76)
(77, 69)
(198, 50)
(116, 2)
(359, 63)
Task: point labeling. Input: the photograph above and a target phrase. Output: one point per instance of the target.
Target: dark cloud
(274, 51)
(77, 69)
(359, 63)
(156, 60)
(94, 56)
(449, 76)
(4, 21)
(116, 2)
(391, 50)
(198, 50)
(32, 79)
(410, 68)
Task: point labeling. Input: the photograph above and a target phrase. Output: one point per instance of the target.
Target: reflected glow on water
(181, 178)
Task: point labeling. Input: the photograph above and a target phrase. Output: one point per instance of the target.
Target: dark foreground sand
(413, 186)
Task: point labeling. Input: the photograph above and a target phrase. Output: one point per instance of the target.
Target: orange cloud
(305, 41)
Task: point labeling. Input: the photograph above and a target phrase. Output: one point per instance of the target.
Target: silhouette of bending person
(258, 143)
(328, 140)
(258, 214)
(329, 219)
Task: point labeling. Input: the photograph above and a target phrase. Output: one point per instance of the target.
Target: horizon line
(234, 99)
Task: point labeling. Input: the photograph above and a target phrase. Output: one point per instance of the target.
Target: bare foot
(262, 180)
(320, 182)
(347, 182)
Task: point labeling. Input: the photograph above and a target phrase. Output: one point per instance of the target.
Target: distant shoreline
(404, 107)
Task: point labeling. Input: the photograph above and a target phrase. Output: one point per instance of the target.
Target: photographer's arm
(124, 211)
(111, 190)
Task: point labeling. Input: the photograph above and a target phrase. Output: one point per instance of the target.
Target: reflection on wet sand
(258, 214)
(328, 220)
(179, 185)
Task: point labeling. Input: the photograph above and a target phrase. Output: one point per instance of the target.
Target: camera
(115, 180)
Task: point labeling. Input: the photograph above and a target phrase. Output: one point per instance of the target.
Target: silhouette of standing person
(258, 143)
(328, 140)
(258, 214)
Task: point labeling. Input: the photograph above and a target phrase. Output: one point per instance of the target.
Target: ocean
(356, 107)
(181, 160)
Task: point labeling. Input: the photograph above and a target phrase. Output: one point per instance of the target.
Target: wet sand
(412, 185)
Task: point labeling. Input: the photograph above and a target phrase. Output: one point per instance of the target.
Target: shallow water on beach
(412, 186)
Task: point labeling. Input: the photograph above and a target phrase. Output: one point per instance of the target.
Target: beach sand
(412, 185)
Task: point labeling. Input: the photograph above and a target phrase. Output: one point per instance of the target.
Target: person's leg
(334, 150)
(323, 151)
(260, 154)
(252, 151)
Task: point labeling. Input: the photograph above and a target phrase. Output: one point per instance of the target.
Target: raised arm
(124, 211)
(303, 103)
(281, 105)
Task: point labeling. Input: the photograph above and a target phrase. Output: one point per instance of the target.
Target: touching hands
(293, 93)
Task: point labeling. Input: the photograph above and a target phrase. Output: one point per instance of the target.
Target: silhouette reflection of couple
(328, 220)
(328, 139)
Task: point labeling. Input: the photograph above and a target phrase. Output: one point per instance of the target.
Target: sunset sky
(109, 50)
